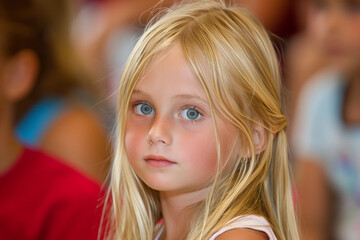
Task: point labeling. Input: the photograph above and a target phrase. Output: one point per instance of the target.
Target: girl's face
(169, 135)
(334, 25)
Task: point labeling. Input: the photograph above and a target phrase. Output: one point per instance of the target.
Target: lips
(158, 161)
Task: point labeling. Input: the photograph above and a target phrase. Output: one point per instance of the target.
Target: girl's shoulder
(70, 130)
(78, 137)
(246, 227)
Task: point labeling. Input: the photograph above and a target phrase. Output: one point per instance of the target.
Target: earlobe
(20, 74)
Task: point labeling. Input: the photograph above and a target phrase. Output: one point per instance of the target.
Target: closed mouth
(158, 161)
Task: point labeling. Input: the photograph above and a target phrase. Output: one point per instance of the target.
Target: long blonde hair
(233, 58)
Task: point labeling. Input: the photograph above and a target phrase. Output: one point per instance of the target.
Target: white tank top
(250, 221)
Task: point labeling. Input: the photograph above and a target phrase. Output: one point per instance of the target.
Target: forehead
(169, 71)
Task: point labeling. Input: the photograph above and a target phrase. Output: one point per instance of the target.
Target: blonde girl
(201, 151)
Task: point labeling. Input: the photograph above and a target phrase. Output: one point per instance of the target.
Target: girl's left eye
(144, 109)
(190, 114)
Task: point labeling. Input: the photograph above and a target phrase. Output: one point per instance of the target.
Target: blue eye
(144, 109)
(190, 114)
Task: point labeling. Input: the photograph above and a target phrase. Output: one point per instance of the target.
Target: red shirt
(42, 198)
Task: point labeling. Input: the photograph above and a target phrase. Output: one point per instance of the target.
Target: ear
(19, 75)
(259, 139)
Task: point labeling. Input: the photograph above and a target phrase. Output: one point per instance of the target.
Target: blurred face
(334, 25)
(169, 137)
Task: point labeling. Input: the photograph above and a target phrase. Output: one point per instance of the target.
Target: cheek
(351, 43)
(201, 151)
(317, 26)
(230, 144)
(354, 33)
(134, 139)
(316, 30)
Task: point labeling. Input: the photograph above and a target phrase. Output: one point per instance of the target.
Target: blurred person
(41, 197)
(326, 132)
(54, 115)
(302, 58)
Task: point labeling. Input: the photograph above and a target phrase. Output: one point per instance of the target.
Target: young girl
(202, 151)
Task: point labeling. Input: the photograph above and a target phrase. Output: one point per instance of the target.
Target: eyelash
(192, 107)
(136, 103)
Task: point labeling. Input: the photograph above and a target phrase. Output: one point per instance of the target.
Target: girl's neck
(177, 210)
(10, 148)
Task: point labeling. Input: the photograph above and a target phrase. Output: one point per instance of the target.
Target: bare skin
(10, 92)
(314, 200)
(351, 110)
(10, 149)
(84, 144)
(176, 213)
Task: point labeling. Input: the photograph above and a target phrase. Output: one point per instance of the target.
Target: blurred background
(318, 44)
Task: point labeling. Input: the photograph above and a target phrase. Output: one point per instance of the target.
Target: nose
(160, 131)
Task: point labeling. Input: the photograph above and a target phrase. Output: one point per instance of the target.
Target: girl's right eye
(190, 114)
(144, 109)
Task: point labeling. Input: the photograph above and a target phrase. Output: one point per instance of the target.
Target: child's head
(42, 27)
(334, 25)
(18, 72)
(200, 111)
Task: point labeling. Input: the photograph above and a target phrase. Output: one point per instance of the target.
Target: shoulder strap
(159, 229)
(250, 221)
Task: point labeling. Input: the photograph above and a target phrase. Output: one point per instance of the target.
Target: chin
(158, 185)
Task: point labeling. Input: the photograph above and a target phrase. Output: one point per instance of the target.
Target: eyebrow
(138, 92)
(182, 96)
